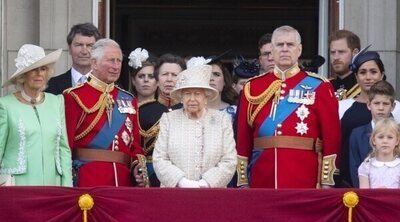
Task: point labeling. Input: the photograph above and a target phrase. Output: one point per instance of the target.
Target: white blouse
(381, 174)
(195, 149)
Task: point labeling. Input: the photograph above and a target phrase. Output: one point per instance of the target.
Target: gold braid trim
(353, 92)
(100, 106)
(148, 135)
(94, 108)
(92, 124)
(260, 100)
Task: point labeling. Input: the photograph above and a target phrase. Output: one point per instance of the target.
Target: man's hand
(137, 173)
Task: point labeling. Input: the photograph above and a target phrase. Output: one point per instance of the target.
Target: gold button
(242, 176)
(241, 167)
(325, 176)
(283, 91)
(116, 142)
(326, 162)
(279, 132)
(326, 172)
(326, 167)
(281, 98)
(283, 85)
(242, 163)
(116, 148)
(279, 125)
(116, 137)
(242, 171)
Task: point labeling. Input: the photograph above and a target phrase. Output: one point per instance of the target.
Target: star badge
(126, 138)
(302, 112)
(301, 128)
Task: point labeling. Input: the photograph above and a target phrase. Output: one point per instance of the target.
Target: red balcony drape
(157, 204)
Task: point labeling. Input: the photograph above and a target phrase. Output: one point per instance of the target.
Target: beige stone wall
(41, 22)
(377, 22)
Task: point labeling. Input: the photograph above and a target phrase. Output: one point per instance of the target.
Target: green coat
(34, 147)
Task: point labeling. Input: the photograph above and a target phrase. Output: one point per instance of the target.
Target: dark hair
(353, 41)
(228, 94)
(364, 57)
(265, 39)
(85, 29)
(133, 72)
(383, 88)
(168, 58)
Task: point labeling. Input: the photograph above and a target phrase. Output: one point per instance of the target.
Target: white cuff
(185, 183)
(203, 184)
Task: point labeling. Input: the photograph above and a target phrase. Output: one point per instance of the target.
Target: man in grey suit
(80, 40)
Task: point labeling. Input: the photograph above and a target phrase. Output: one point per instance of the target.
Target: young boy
(381, 103)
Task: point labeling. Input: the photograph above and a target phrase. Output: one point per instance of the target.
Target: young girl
(381, 169)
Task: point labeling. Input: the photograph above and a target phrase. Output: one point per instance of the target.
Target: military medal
(301, 128)
(302, 96)
(109, 108)
(302, 112)
(309, 98)
(341, 94)
(126, 138)
(128, 124)
(125, 106)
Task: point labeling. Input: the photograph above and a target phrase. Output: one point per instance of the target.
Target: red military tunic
(283, 167)
(91, 127)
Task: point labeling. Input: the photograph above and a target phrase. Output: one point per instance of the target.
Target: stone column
(41, 22)
(377, 23)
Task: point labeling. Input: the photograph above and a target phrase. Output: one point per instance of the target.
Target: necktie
(82, 80)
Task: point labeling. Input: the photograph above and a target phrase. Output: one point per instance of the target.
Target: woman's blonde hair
(385, 124)
(20, 80)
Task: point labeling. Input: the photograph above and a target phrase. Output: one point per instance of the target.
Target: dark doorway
(205, 28)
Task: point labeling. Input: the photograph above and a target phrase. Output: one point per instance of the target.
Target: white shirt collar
(372, 124)
(76, 76)
(378, 163)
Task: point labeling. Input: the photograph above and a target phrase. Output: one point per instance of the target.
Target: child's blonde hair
(385, 124)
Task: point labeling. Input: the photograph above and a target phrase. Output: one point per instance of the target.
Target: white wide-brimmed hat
(31, 57)
(194, 77)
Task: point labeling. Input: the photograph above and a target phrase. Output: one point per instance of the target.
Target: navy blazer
(58, 84)
(359, 150)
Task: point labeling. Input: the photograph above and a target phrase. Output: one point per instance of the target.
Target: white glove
(203, 184)
(185, 183)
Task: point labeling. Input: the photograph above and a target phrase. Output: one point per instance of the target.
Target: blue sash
(106, 135)
(283, 111)
(284, 108)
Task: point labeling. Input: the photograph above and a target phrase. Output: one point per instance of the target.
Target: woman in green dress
(33, 145)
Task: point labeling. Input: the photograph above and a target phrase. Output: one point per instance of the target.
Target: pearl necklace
(29, 99)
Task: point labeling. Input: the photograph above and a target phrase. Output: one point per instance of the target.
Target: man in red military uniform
(288, 133)
(102, 123)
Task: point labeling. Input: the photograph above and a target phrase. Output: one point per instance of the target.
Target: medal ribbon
(104, 138)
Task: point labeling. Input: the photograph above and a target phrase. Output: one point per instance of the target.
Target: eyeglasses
(265, 54)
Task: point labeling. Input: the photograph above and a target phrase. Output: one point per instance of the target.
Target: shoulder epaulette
(125, 91)
(315, 75)
(72, 88)
(257, 76)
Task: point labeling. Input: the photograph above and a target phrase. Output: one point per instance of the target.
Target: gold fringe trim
(260, 100)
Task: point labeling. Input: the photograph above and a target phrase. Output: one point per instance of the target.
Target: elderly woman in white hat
(33, 144)
(195, 146)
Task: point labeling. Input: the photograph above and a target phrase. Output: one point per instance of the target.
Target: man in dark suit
(80, 40)
(343, 46)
